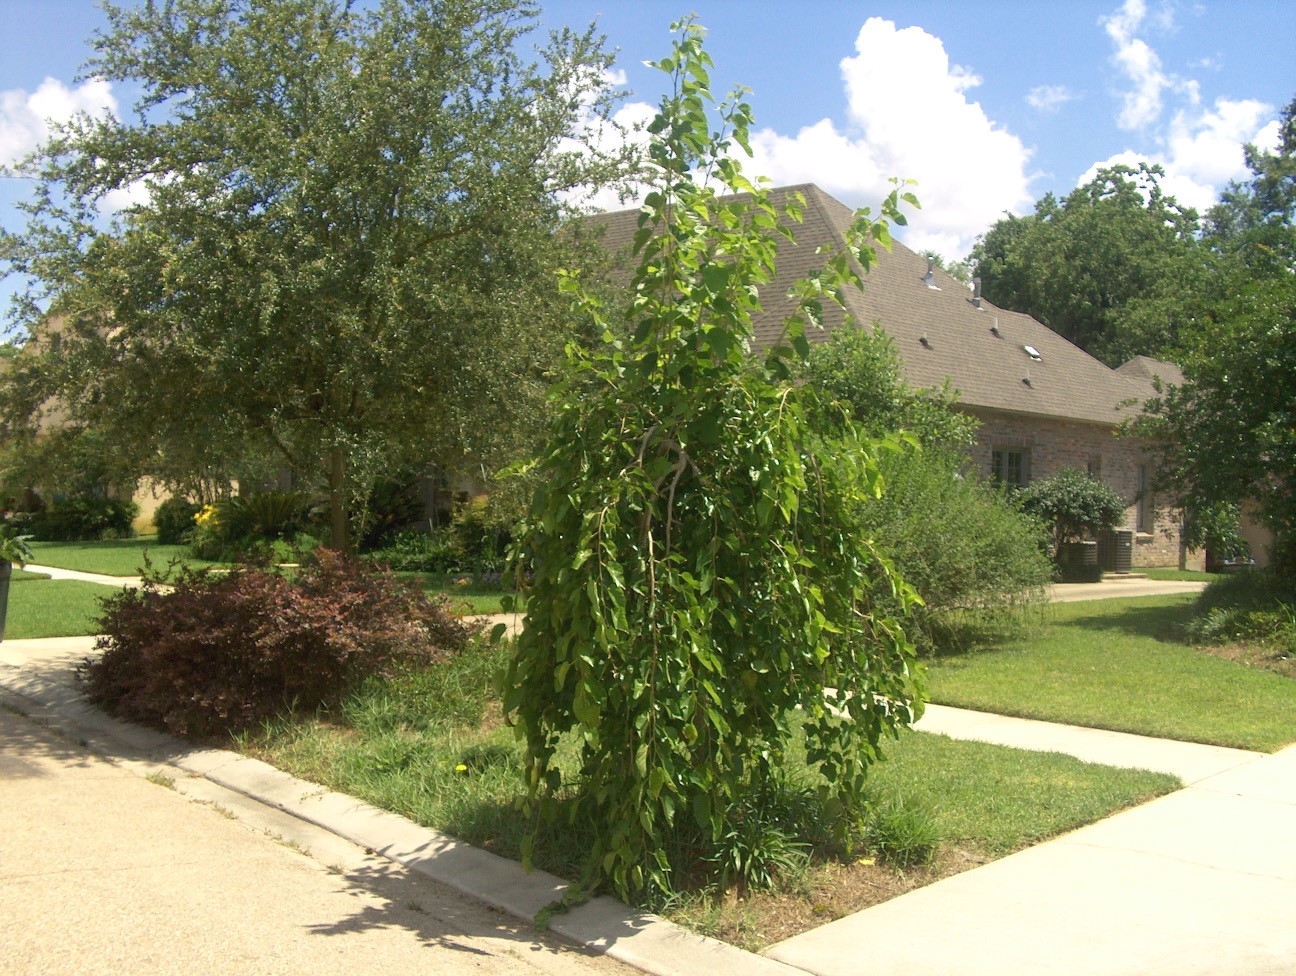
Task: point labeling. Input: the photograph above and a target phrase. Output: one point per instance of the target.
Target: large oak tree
(1113, 266)
(343, 245)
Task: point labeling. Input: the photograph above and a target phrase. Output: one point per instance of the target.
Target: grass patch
(24, 574)
(116, 557)
(1189, 575)
(465, 593)
(1123, 665)
(54, 608)
(431, 746)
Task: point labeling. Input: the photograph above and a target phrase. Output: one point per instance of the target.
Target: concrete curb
(603, 924)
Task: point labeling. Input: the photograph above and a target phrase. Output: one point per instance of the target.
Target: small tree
(859, 374)
(700, 576)
(1074, 504)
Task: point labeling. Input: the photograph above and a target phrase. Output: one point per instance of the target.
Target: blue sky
(988, 104)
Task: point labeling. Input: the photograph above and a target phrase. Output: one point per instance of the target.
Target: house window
(1094, 467)
(1010, 467)
(1144, 523)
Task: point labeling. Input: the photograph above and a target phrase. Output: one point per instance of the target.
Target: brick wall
(1053, 445)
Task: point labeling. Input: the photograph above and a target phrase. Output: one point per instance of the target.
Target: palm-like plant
(13, 549)
(13, 545)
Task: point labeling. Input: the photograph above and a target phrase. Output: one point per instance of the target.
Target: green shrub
(1252, 607)
(243, 528)
(481, 538)
(902, 834)
(1072, 504)
(211, 654)
(83, 520)
(391, 507)
(765, 837)
(174, 520)
(261, 515)
(419, 552)
(13, 545)
(974, 559)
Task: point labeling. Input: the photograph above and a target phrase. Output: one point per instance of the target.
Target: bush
(241, 528)
(1255, 607)
(83, 519)
(418, 552)
(261, 515)
(973, 558)
(174, 520)
(1074, 506)
(701, 592)
(219, 653)
(391, 507)
(481, 538)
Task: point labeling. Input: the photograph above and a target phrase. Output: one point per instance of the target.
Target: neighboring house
(52, 415)
(1043, 403)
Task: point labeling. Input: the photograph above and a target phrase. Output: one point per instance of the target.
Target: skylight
(1033, 353)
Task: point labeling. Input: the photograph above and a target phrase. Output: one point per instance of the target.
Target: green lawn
(117, 557)
(53, 608)
(1191, 575)
(1120, 664)
(430, 746)
(464, 596)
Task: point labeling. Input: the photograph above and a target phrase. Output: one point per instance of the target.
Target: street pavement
(104, 871)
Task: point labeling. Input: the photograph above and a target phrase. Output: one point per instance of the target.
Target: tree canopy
(859, 378)
(342, 241)
(1113, 266)
(1256, 219)
(1228, 434)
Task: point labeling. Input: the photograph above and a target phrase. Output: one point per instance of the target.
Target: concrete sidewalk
(1114, 585)
(54, 572)
(1201, 881)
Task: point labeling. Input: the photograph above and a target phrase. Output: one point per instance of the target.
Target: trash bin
(1116, 550)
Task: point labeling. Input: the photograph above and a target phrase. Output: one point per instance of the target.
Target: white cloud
(909, 116)
(25, 116)
(1049, 98)
(1267, 138)
(1203, 150)
(1207, 146)
(1142, 104)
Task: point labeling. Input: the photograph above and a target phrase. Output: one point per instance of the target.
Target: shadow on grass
(1158, 622)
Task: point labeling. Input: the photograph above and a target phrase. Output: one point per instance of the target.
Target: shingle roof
(990, 371)
(1146, 370)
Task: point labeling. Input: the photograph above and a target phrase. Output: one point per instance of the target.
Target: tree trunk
(339, 524)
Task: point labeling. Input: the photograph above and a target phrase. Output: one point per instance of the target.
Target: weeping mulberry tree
(699, 576)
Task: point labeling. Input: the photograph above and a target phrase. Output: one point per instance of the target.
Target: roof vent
(1033, 353)
(1026, 380)
(926, 343)
(994, 329)
(976, 292)
(930, 276)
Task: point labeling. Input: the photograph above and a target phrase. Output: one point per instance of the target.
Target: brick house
(1043, 403)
